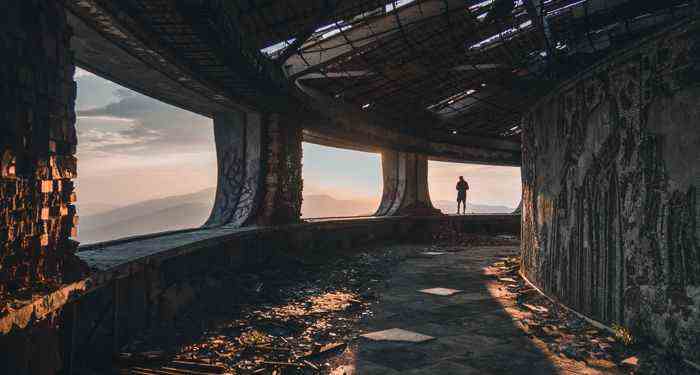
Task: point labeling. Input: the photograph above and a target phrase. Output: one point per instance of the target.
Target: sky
(133, 148)
(488, 184)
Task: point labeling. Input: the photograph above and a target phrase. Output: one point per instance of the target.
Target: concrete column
(259, 170)
(405, 185)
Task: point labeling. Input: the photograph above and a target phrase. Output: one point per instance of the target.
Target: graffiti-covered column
(405, 185)
(259, 170)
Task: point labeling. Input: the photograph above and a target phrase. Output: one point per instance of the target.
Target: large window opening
(340, 182)
(144, 166)
(492, 189)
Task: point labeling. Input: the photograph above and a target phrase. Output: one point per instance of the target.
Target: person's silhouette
(462, 187)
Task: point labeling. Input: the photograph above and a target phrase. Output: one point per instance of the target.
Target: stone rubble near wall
(611, 171)
(37, 145)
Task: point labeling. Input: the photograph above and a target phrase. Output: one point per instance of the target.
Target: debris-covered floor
(448, 309)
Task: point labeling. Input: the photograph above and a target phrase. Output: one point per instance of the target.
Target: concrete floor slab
(474, 331)
(446, 368)
(440, 291)
(397, 334)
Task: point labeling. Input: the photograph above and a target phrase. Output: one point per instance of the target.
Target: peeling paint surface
(610, 191)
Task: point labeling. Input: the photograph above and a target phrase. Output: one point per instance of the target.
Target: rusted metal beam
(322, 53)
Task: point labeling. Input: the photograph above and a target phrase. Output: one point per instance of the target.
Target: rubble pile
(291, 318)
(563, 334)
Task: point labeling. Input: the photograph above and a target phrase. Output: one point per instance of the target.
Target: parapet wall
(611, 172)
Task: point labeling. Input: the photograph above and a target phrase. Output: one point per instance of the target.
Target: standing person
(462, 187)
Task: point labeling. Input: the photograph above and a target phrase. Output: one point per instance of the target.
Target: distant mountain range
(102, 222)
(156, 215)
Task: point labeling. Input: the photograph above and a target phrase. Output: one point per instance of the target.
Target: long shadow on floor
(474, 333)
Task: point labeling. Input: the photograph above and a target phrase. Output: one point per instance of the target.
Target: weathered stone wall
(611, 172)
(37, 145)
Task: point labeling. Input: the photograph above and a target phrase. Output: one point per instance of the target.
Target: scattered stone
(289, 318)
(631, 362)
(540, 309)
(507, 279)
(555, 329)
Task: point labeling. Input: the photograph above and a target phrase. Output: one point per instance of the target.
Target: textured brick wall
(611, 171)
(37, 144)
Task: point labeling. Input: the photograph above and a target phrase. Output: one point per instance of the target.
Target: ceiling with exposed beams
(465, 67)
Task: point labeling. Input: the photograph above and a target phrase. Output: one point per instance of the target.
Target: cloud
(131, 139)
(128, 104)
(127, 122)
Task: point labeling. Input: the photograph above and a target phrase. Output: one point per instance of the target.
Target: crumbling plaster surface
(611, 171)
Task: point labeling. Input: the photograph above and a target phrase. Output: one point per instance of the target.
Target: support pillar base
(405, 185)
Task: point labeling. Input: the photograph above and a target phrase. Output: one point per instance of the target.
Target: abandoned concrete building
(597, 101)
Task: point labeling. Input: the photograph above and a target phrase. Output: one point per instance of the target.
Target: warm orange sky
(133, 148)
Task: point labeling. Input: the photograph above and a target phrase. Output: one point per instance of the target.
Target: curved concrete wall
(611, 170)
